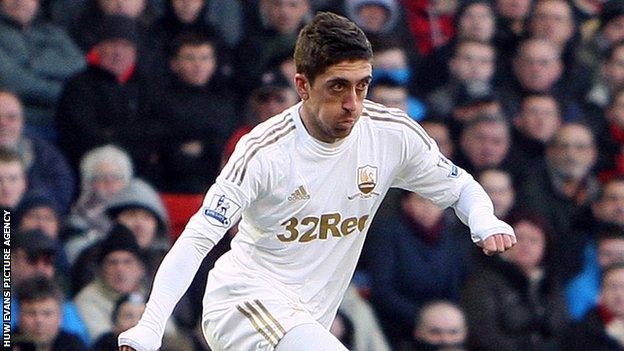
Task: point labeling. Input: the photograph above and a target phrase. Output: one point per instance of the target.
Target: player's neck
(309, 121)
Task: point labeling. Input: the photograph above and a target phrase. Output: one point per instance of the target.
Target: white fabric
(307, 337)
(306, 207)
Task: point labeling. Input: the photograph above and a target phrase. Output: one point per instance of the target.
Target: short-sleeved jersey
(305, 206)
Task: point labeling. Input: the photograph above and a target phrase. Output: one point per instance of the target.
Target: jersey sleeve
(239, 184)
(426, 171)
(430, 174)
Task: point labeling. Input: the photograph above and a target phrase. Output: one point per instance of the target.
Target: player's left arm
(427, 172)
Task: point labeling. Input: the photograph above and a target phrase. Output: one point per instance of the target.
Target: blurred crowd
(115, 113)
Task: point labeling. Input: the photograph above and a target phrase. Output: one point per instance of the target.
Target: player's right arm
(222, 207)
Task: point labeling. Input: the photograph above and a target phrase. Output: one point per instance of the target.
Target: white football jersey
(305, 206)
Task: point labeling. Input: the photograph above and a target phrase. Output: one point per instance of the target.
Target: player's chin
(343, 131)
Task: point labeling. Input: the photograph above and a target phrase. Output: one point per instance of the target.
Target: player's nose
(350, 101)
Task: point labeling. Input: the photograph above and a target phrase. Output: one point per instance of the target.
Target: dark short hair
(327, 40)
(190, 38)
(39, 288)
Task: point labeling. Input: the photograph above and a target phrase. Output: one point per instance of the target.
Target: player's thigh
(305, 337)
(256, 324)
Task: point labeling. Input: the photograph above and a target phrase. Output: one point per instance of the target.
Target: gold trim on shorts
(256, 315)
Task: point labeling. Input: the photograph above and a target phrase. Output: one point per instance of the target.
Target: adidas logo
(299, 194)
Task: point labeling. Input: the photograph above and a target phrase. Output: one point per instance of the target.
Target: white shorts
(251, 325)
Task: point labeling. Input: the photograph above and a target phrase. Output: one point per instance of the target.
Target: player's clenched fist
(498, 243)
(141, 338)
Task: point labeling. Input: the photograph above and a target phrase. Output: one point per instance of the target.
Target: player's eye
(362, 86)
(337, 87)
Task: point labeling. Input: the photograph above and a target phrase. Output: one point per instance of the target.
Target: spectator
(281, 21)
(472, 68)
(611, 138)
(475, 22)
(584, 289)
(35, 255)
(419, 256)
(514, 302)
(511, 17)
(610, 32)
(440, 325)
(87, 27)
(538, 68)
(392, 63)
(121, 271)
(553, 20)
(586, 14)
(40, 302)
(430, 23)
(104, 172)
(535, 125)
(380, 20)
(272, 95)
(603, 328)
(512, 13)
(467, 108)
(197, 115)
(580, 251)
(608, 80)
(139, 211)
(39, 211)
(389, 92)
(46, 168)
(35, 59)
(66, 13)
(367, 334)
(106, 102)
(499, 187)
(13, 182)
(484, 143)
(439, 132)
(126, 314)
(374, 16)
(183, 16)
(560, 187)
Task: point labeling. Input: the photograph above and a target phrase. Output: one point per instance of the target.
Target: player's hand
(497, 243)
(139, 338)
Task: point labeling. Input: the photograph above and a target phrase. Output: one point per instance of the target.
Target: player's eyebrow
(345, 81)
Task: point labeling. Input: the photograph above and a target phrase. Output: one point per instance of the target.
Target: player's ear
(302, 85)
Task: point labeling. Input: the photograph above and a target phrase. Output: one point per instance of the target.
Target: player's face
(334, 102)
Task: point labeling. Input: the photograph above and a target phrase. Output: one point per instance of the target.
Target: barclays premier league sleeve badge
(220, 211)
